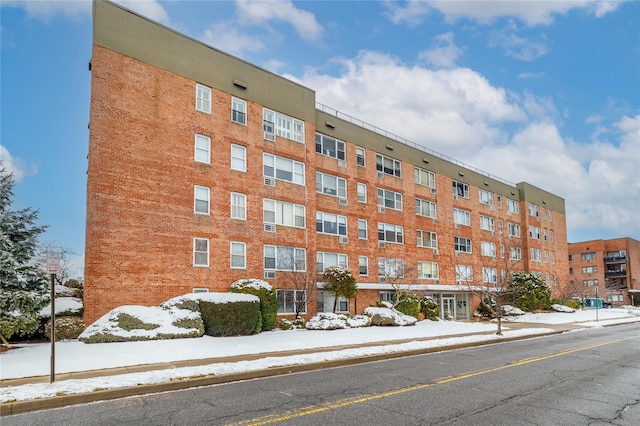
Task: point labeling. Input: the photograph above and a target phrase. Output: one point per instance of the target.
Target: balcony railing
(615, 258)
(615, 273)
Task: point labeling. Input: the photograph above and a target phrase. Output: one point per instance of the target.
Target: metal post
(597, 303)
(53, 329)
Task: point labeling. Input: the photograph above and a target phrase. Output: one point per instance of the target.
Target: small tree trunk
(335, 304)
(499, 332)
(4, 342)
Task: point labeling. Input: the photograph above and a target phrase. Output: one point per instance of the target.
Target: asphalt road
(590, 377)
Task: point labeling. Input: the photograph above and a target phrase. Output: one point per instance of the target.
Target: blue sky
(542, 92)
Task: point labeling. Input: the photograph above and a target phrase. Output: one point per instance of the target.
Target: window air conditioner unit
(342, 201)
(492, 208)
(342, 163)
(434, 191)
(381, 209)
(380, 174)
(435, 251)
(494, 258)
(436, 282)
(381, 244)
(270, 137)
(269, 181)
(269, 227)
(269, 275)
(383, 280)
(456, 225)
(493, 233)
(455, 197)
(344, 240)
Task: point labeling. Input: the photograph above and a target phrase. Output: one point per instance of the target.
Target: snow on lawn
(63, 304)
(577, 316)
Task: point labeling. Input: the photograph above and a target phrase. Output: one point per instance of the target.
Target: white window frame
(325, 260)
(515, 253)
(323, 142)
(462, 242)
(203, 98)
(488, 248)
(361, 159)
(425, 177)
(389, 199)
(396, 267)
(363, 228)
(234, 255)
(536, 255)
(363, 262)
(487, 223)
(433, 270)
(298, 254)
(198, 250)
(322, 185)
(386, 229)
(514, 229)
(428, 237)
(238, 205)
(534, 232)
(340, 221)
(485, 197)
(201, 195)
(283, 213)
(202, 149)
(282, 125)
(461, 217)
(299, 296)
(278, 168)
(392, 169)
(460, 189)
(513, 206)
(238, 110)
(362, 192)
(533, 210)
(238, 157)
(490, 275)
(464, 273)
(426, 208)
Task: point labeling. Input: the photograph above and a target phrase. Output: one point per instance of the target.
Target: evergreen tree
(341, 283)
(23, 286)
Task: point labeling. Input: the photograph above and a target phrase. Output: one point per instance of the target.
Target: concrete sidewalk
(64, 400)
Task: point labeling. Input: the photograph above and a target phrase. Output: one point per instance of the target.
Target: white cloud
(531, 75)
(302, 21)
(16, 165)
(226, 37)
(443, 54)
(515, 46)
(413, 14)
(46, 10)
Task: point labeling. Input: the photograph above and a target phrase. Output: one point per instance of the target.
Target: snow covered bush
(230, 314)
(134, 323)
(268, 299)
(65, 307)
(408, 304)
(561, 308)
(331, 321)
(296, 324)
(430, 308)
(388, 316)
(67, 328)
(511, 310)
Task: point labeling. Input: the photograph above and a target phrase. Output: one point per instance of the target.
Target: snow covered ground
(72, 356)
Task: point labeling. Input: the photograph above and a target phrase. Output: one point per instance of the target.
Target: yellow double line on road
(314, 409)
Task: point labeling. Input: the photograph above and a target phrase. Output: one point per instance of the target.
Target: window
(331, 185)
(283, 213)
(514, 229)
(288, 300)
(201, 199)
(238, 111)
(546, 256)
(502, 251)
(553, 258)
(550, 216)
(282, 125)
(486, 197)
(551, 235)
(488, 249)
(326, 302)
(390, 233)
(534, 232)
(202, 149)
(329, 223)
(387, 296)
(427, 270)
(533, 210)
(425, 177)
(388, 165)
(500, 201)
(544, 234)
(362, 192)
(536, 255)
(360, 156)
(363, 265)
(200, 252)
(513, 206)
(464, 273)
(238, 206)
(588, 270)
(283, 168)
(427, 239)
(330, 147)
(390, 268)
(238, 158)
(362, 229)
(238, 255)
(203, 98)
(462, 244)
(588, 256)
(544, 214)
(327, 260)
(460, 189)
(590, 283)
(282, 258)
(490, 275)
(487, 223)
(389, 199)
(515, 253)
(425, 208)
(461, 217)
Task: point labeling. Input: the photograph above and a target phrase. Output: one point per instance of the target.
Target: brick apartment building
(611, 266)
(204, 169)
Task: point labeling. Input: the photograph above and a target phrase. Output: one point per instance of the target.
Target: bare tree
(302, 279)
(393, 271)
(64, 253)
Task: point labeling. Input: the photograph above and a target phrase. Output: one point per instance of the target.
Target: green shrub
(572, 303)
(430, 308)
(190, 323)
(129, 322)
(297, 323)
(268, 299)
(230, 319)
(67, 328)
(531, 292)
(409, 304)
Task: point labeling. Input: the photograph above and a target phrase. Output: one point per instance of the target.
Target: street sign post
(53, 264)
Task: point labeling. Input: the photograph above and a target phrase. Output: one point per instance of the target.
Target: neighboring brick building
(611, 266)
(204, 169)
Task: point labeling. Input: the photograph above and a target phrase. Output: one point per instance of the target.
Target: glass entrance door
(448, 306)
